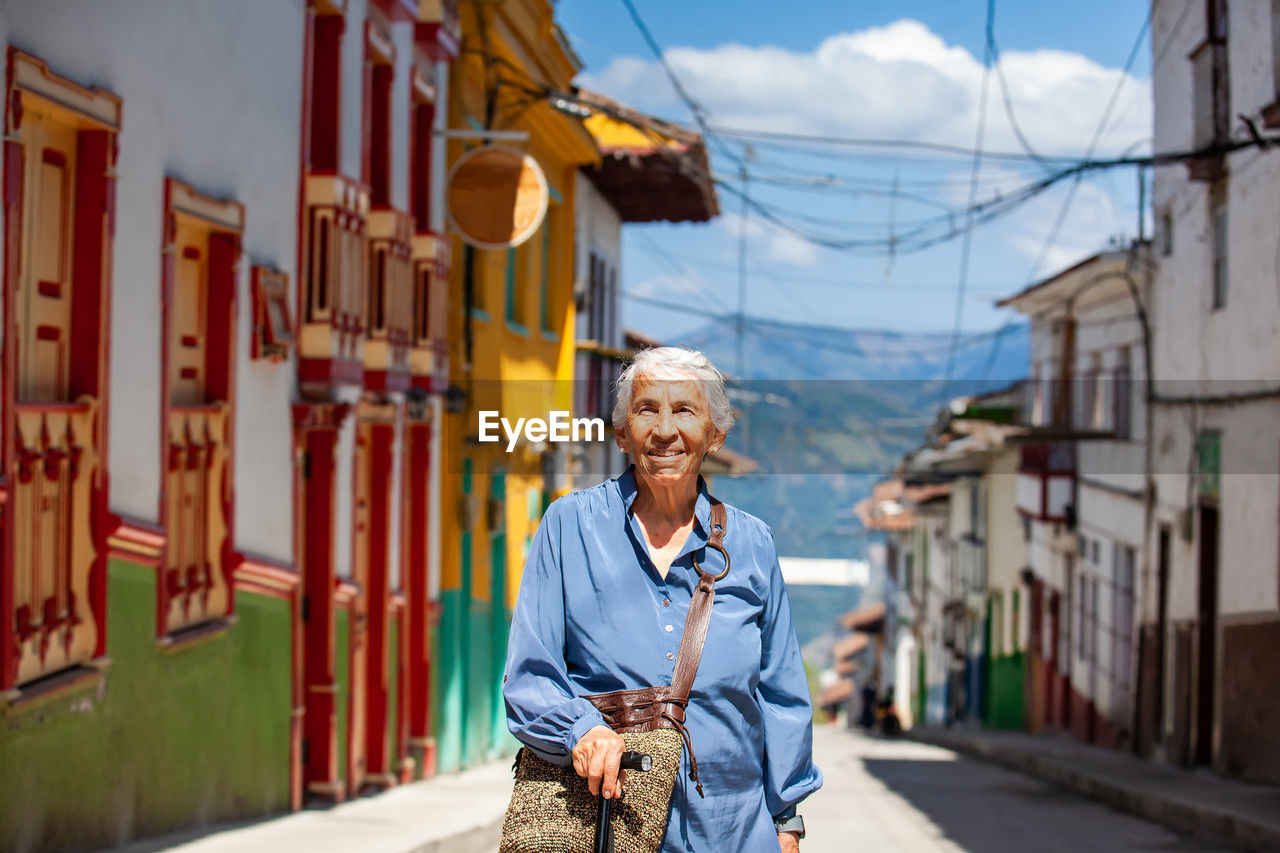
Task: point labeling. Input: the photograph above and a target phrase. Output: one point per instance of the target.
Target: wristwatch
(794, 823)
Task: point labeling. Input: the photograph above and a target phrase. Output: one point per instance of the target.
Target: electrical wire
(967, 241)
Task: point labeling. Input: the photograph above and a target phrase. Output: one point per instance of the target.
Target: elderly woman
(608, 583)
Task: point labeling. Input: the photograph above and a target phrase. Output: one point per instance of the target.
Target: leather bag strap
(699, 618)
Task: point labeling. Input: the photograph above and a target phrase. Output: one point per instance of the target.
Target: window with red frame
(201, 254)
(59, 161)
(324, 102)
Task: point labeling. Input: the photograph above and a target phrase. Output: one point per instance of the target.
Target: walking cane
(604, 831)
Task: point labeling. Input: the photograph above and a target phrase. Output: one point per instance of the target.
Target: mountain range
(827, 411)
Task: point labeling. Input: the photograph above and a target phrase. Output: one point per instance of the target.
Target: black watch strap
(790, 824)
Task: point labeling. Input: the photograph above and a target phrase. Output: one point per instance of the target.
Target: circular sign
(496, 196)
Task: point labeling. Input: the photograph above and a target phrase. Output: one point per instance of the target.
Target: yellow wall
(521, 370)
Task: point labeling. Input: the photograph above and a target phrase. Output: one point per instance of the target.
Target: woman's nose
(665, 425)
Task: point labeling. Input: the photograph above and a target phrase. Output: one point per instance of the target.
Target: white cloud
(898, 81)
(778, 245)
(670, 286)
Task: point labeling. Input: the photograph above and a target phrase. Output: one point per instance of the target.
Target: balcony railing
(391, 268)
(55, 467)
(1046, 480)
(334, 302)
(194, 583)
(429, 359)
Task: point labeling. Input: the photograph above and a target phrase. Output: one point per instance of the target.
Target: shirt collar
(628, 490)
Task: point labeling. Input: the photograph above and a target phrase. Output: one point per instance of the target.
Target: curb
(1185, 816)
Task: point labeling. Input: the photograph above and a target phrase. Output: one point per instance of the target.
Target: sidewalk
(448, 814)
(1197, 802)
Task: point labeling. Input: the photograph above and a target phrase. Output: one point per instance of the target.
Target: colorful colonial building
(223, 300)
(511, 338)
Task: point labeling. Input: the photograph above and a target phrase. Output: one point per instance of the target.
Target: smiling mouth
(665, 454)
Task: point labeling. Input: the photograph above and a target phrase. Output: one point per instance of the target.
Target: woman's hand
(789, 842)
(596, 757)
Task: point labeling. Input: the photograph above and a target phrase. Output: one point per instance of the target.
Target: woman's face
(668, 430)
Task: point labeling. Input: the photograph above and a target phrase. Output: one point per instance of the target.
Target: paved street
(898, 795)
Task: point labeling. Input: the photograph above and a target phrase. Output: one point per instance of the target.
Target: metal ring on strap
(725, 553)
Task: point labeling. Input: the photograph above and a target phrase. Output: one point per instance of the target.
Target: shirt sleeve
(543, 710)
(783, 695)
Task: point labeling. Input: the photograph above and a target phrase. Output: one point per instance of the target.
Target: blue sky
(908, 71)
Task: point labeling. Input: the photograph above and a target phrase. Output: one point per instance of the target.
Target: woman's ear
(717, 442)
(619, 438)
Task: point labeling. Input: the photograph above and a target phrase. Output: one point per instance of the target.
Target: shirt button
(670, 656)
(669, 629)
(666, 602)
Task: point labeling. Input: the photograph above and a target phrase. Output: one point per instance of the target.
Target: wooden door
(320, 689)
(44, 292)
(1206, 634)
(187, 323)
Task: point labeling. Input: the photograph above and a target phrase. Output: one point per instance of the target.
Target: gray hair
(675, 364)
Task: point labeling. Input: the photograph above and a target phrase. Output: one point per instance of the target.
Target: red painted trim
(10, 650)
(266, 578)
(329, 416)
(421, 123)
(436, 41)
(417, 621)
(168, 232)
(137, 542)
(381, 437)
(381, 79)
(397, 10)
(387, 380)
(324, 106)
(344, 592)
(103, 520)
(316, 481)
(366, 112)
(330, 371)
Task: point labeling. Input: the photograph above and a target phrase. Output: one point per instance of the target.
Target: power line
(1008, 101)
(696, 109)
(1093, 144)
(893, 144)
(769, 327)
(819, 281)
(967, 241)
(1097, 136)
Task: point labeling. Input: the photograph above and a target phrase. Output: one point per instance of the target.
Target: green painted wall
(176, 739)
(917, 709)
(342, 677)
(393, 696)
(480, 692)
(1005, 692)
(449, 683)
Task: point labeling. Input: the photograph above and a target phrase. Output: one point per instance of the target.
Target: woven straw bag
(551, 809)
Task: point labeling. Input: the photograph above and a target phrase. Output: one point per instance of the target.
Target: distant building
(1080, 492)
(649, 171)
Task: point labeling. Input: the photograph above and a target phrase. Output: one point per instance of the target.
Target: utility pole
(742, 277)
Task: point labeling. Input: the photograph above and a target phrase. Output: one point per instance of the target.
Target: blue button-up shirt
(594, 616)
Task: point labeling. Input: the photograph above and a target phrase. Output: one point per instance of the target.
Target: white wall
(212, 96)
(1199, 349)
